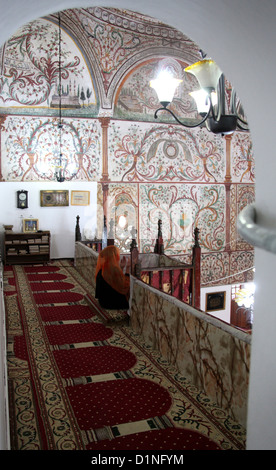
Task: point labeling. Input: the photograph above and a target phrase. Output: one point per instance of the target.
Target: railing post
(134, 259)
(77, 230)
(159, 247)
(196, 272)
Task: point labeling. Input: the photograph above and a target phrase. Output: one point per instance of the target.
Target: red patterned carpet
(80, 379)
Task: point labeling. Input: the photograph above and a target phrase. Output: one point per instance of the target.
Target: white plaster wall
(221, 314)
(61, 221)
(4, 412)
(241, 36)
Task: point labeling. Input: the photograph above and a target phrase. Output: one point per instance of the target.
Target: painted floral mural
(30, 69)
(31, 148)
(146, 168)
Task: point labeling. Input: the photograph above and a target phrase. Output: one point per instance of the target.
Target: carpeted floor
(80, 379)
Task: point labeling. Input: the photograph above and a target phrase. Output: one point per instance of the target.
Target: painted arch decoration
(29, 73)
(148, 168)
(155, 152)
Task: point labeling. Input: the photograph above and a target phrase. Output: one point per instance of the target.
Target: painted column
(105, 177)
(2, 120)
(228, 184)
(105, 124)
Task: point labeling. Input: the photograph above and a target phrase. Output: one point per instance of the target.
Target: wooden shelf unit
(24, 248)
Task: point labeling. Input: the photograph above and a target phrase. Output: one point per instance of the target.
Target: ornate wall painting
(243, 165)
(123, 201)
(30, 72)
(241, 196)
(136, 100)
(31, 148)
(177, 172)
(215, 267)
(120, 40)
(146, 152)
(181, 209)
(241, 264)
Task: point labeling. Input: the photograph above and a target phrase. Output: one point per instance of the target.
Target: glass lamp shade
(206, 72)
(202, 101)
(165, 86)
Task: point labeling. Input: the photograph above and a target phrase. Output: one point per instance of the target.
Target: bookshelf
(23, 248)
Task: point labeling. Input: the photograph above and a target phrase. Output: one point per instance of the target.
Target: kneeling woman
(112, 286)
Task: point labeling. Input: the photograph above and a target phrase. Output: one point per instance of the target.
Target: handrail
(254, 233)
(167, 268)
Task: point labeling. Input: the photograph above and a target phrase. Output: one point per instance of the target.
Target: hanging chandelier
(210, 98)
(60, 168)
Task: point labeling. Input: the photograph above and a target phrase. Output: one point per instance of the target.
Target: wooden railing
(180, 280)
(173, 280)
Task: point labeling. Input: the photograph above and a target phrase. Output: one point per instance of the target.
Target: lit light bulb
(122, 221)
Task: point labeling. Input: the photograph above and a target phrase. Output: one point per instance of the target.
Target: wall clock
(22, 199)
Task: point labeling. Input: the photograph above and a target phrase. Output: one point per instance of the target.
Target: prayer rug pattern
(77, 383)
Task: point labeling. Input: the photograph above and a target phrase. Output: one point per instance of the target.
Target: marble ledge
(211, 354)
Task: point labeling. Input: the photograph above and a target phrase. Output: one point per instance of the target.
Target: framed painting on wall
(215, 301)
(80, 198)
(30, 225)
(54, 198)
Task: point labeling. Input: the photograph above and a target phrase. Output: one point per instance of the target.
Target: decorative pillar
(228, 184)
(105, 178)
(228, 172)
(196, 271)
(105, 124)
(2, 128)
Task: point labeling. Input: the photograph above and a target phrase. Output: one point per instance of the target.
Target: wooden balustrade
(180, 280)
(173, 280)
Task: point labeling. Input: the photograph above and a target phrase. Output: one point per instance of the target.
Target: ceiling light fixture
(210, 98)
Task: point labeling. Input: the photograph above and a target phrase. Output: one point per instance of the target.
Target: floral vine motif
(111, 46)
(245, 163)
(34, 150)
(32, 84)
(183, 210)
(146, 159)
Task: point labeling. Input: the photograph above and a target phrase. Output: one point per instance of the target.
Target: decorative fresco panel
(118, 40)
(138, 101)
(146, 152)
(146, 168)
(241, 263)
(31, 148)
(243, 167)
(241, 196)
(29, 71)
(123, 201)
(215, 267)
(182, 208)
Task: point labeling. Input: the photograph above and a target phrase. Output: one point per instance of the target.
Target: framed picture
(54, 198)
(215, 301)
(30, 225)
(80, 198)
